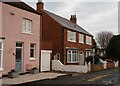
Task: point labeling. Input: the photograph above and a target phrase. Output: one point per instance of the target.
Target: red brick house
(69, 42)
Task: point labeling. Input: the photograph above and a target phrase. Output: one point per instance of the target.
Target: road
(101, 78)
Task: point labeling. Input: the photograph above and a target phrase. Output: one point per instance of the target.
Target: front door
(19, 57)
(81, 58)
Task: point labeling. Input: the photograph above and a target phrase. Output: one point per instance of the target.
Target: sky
(92, 15)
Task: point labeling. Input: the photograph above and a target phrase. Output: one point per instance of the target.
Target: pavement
(31, 77)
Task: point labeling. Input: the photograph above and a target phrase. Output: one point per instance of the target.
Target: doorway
(19, 52)
(81, 58)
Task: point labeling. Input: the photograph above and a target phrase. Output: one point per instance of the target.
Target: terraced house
(19, 37)
(69, 42)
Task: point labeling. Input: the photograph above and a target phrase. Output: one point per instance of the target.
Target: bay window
(72, 56)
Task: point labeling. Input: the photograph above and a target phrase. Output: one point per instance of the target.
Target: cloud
(102, 17)
(73, 0)
(92, 16)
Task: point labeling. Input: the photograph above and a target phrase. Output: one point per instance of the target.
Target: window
(1, 53)
(71, 36)
(88, 53)
(72, 56)
(57, 56)
(27, 26)
(32, 50)
(81, 38)
(88, 40)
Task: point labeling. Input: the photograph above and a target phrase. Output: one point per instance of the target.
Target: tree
(103, 39)
(113, 48)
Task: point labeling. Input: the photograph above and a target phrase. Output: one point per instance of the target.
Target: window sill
(71, 41)
(72, 62)
(33, 59)
(81, 42)
(89, 44)
(1, 69)
(27, 33)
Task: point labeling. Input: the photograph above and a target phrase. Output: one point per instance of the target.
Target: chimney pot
(40, 5)
(73, 19)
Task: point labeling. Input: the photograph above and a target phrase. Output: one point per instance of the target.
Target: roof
(67, 23)
(20, 4)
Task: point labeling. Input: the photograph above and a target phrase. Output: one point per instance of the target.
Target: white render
(58, 66)
(1, 70)
(117, 64)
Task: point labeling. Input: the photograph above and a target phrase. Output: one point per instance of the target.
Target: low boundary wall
(58, 66)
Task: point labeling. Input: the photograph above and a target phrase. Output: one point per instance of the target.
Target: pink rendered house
(19, 37)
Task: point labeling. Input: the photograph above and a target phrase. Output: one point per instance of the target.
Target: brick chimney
(40, 5)
(73, 19)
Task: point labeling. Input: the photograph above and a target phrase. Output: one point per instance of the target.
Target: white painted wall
(117, 64)
(1, 70)
(58, 66)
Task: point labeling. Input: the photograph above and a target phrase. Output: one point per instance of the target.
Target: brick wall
(81, 47)
(110, 65)
(97, 67)
(51, 35)
(56, 35)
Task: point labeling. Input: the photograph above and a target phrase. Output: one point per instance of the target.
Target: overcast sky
(94, 16)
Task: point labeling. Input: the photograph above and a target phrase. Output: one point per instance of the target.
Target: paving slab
(30, 78)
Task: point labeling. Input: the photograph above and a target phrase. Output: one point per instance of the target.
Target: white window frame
(74, 56)
(33, 58)
(1, 57)
(27, 26)
(57, 56)
(71, 36)
(90, 53)
(88, 40)
(81, 38)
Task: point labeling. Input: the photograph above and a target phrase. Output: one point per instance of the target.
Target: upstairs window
(88, 40)
(81, 38)
(71, 36)
(27, 26)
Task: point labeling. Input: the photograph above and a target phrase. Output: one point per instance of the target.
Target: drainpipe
(40, 43)
(62, 32)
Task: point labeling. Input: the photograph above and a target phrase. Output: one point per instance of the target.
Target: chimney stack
(40, 5)
(73, 19)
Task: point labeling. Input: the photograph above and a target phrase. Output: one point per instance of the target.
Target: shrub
(90, 59)
(96, 58)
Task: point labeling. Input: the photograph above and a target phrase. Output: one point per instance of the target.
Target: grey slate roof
(67, 23)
